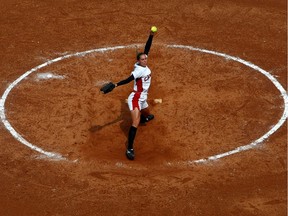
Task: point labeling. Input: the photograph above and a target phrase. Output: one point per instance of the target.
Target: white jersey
(142, 78)
(142, 81)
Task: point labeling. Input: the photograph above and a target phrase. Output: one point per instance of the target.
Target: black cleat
(149, 117)
(144, 119)
(130, 154)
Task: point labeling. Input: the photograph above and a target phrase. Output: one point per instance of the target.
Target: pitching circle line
(57, 156)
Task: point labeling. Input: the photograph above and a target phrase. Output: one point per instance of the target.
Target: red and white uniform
(142, 81)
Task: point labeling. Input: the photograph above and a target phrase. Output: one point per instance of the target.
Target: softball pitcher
(137, 100)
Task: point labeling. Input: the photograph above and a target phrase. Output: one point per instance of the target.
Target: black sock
(142, 119)
(131, 136)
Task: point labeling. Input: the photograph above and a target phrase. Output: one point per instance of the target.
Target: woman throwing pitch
(137, 100)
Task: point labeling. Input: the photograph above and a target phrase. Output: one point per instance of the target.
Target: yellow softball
(154, 29)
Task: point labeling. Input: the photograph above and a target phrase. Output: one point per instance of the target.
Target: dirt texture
(211, 105)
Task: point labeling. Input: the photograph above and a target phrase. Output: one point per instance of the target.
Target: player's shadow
(124, 118)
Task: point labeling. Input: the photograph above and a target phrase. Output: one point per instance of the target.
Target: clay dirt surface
(211, 105)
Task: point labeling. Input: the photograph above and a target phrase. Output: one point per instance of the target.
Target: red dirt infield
(211, 105)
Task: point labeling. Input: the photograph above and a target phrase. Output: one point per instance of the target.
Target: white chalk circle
(57, 156)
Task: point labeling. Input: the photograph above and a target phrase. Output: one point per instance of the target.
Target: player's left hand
(107, 88)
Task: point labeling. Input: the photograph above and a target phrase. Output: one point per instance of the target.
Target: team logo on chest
(147, 77)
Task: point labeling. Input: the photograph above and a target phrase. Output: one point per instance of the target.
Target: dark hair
(139, 54)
